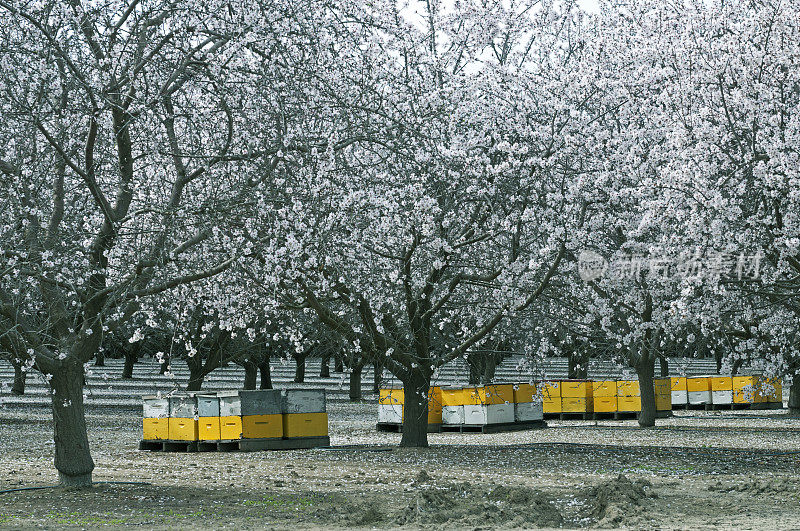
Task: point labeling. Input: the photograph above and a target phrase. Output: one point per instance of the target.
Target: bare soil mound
(619, 501)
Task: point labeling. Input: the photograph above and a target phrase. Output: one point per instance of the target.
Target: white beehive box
(528, 411)
(182, 407)
(722, 397)
(390, 413)
(260, 402)
(208, 405)
(230, 404)
(155, 407)
(482, 414)
(699, 397)
(680, 398)
(453, 415)
(303, 401)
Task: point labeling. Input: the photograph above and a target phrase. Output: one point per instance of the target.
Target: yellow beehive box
(551, 389)
(305, 425)
(230, 428)
(744, 389)
(391, 396)
(678, 383)
(769, 390)
(183, 429)
(490, 394)
(721, 383)
(662, 389)
(262, 426)
(629, 403)
(663, 403)
(551, 404)
(524, 393)
(155, 429)
(571, 404)
(628, 388)
(604, 388)
(605, 404)
(576, 389)
(435, 405)
(208, 429)
(698, 384)
(454, 397)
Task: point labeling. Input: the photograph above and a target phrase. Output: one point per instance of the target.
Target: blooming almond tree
(124, 162)
(449, 215)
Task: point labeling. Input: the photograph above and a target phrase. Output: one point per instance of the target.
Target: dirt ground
(698, 470)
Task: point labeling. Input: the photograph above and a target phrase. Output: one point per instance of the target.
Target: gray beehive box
(208, 405)
(303, 401)
(182, 407)
(155, 407)
(261, 402)
(230, 405)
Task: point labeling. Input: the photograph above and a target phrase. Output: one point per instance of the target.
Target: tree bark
(266, 375)
(99, 359)
(72, 458)
(377, 377)
(794, 395)
(130, 360)
(338, 364)
(20, 377)
(645, 369)
(355, 382)
(475, 369)
(415, 410)
(164, 364)
(664, 362)
(573, 365)
(325, 368)
(196, 373)
(250, 374)
(489, 368)
(300, 371)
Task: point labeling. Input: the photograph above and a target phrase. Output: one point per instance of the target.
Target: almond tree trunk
(325, 368)
(72, 458)
(355, 381)
(250, 374)
(196, 373)
(645, 369)
(300, 371)
(794, 395)
(377, 377)
(20, 377)
(415, 410)
(266, 375)
(130, 359)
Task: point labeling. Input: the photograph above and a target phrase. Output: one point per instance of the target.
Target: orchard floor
(698, 470)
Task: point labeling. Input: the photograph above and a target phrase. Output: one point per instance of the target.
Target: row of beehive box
(491, 404)
(507, 403)
(230, 416)
(503, 403)
(723, 390)
(601, 396)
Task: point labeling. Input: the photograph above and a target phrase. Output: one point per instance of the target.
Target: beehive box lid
(303, 401)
